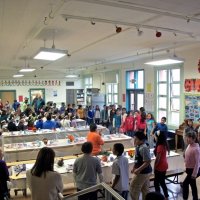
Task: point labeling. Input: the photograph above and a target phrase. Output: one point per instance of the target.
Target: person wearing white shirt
(120, 170)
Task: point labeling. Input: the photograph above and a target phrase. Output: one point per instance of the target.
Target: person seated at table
(85, 169)
(43, 182)
(120, 169)
(11, 125)
(39, 123)
(4, 177)
(4, 126)
(21, 126)
(65, 122)
(49, 124)
(95, 138)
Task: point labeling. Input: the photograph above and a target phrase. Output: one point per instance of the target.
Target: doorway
(7, 95)
(34, 92)
(135, 99)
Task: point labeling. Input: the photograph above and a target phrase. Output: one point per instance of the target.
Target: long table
(19, 181)
(62, 147)
(29, 136)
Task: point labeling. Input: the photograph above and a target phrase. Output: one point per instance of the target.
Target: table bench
(171, 173)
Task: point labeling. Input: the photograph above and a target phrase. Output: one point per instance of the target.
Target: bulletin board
(192, 106)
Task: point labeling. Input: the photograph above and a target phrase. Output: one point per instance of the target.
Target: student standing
(162, 126)
(160, 165)
(129, 124)
(86, 169)
(95, 138)
(192, 164)
(117, 121)
(97, 115)
(150, 126)
(4, 177)
(42, 180)
(104, 116)
(120, 169)
(141, 169)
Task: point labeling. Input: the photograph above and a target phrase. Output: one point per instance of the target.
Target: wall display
(149, 102)
(192, 85)
(192, 106)
(30, 83)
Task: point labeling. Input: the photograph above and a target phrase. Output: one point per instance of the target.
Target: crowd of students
(87, 167)
(142, 126)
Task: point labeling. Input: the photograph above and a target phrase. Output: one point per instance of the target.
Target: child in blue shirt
(161, 126)
(117, 121)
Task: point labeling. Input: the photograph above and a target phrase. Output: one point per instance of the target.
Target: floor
(175, 191)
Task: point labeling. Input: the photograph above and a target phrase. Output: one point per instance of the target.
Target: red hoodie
(129, 123)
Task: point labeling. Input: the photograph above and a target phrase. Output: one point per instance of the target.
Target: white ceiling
(23, 31)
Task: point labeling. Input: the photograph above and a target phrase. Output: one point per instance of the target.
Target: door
(8, 95)
(135, 99)
(35, 92)
(71, 96)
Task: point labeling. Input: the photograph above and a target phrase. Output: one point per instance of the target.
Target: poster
(149, 102)
(192, 85)
(55, 93)
(192, 107)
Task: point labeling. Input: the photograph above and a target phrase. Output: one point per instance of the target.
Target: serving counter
(62, 147)
(18, 170)
(29, 136)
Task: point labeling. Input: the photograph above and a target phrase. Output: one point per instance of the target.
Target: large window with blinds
(169, 95)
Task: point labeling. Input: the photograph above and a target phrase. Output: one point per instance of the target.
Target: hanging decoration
(199, 66)
(30, 83)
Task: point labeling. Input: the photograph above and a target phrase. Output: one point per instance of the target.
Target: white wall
(49, 90)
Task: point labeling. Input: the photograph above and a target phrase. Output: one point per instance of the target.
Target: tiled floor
(175, 191)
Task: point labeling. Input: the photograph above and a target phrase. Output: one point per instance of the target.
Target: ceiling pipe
(136, 7)
(136, 25)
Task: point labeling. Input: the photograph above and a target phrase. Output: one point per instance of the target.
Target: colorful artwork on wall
(192, 85)
(192, 107)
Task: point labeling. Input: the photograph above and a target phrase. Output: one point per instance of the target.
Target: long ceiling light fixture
(18, 75)
(27, 68)
(71, 76)
(166, 61)
(50, 54)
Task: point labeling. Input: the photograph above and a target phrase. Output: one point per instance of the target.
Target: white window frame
(169, 96)
(112, 93)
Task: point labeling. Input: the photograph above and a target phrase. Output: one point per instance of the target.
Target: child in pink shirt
(192, 164)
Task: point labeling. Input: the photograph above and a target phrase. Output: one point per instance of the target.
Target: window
(112, 93)
(135, 89)
(168, 95)
(88, 82)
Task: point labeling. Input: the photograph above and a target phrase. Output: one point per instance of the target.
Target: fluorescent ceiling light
(165, 61)
(50, 54)
(71, 76)
(18, 75)
(27, 70)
